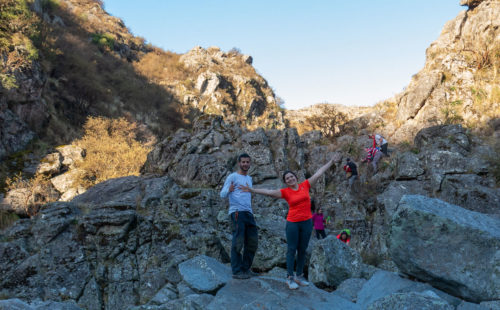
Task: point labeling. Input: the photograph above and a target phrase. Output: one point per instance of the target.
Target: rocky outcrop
(458, 84)
(270, 292)
(226, 84)
(18, 304)
(384, 284)
(14, 133)
(411, 301)
(54, 179)
(204, 274)
(454, 85)
(424, 230)
(449, 165)
(332, 262)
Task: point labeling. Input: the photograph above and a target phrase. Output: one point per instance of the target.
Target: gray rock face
(410, 301)
(51, 164)
(444, 90)
(409, 167)
(273, 293)
(17, 304)
(204, 274)
(350, 288)
(492, 305)
(71, 154)
(471, 191)
(384, 284)
(225, 84)
(14, 133)
(425, 230)
(332, 262)
(470, 306)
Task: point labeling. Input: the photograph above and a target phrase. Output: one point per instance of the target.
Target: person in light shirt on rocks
(244, 228)
(299, 220)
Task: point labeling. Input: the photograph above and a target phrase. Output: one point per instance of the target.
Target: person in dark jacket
(351, 171)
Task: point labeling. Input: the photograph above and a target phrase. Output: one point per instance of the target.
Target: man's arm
(228, 187)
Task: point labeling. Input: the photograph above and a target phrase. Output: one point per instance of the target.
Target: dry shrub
(161, 66)
(329, 120)
(112, 150)
(35, 191)
(388, 109)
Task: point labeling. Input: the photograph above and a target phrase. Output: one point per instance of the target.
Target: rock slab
(451, 248)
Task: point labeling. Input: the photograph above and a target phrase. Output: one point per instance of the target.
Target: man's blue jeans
(245, 237)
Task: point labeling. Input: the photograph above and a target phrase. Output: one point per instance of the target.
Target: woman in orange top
(299, 223)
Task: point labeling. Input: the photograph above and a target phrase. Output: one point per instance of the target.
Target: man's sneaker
(252, 274)
(291, 283)
(241, 276)
(300, 280)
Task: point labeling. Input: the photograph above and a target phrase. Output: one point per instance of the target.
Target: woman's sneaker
(300, 280)
(291, 283)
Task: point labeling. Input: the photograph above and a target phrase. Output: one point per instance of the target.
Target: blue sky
(348, 52)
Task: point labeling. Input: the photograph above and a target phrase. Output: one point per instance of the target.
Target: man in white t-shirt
(244, 228)
(382, 143)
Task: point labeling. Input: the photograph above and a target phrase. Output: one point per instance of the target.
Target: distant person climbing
(319, 223)
(345, 236)
(381, 143)
(351, 171)
(299, 220)
(373, 155)
(244, 228)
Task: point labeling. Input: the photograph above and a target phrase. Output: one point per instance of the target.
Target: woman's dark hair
(287, 172)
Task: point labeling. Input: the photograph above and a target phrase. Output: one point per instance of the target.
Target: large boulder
(71, 155)
(204, 274)
(411, 301)
(350, 288)
(17, 304)
(384, 283)
(50, 164)
(452, 248)
(332, 262)
(273, 293)
(409, 166)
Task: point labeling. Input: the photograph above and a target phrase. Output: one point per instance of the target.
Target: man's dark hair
(244, 155)
(287, 172)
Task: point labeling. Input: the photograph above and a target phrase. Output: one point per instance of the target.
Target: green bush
(104, 40)
(8, 81)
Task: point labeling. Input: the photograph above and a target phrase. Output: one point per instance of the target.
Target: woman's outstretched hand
(245, 188)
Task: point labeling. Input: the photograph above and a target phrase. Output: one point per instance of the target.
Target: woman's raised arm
(314, 178)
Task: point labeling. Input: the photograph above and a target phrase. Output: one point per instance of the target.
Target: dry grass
(36, 191)
(388, 110)
(160, 66)
(112, 150)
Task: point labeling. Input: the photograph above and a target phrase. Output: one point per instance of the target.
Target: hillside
(63, 60)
